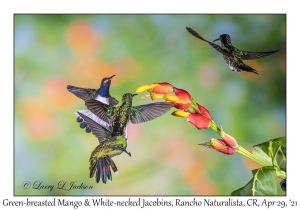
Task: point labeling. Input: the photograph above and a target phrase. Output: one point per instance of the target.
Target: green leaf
(273, 152)
(262, 183)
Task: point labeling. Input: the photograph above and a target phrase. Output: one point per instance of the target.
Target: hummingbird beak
(216, 39)
(111, 76)
(134, 94)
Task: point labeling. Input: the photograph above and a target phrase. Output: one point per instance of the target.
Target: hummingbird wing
(113, 101)
(101, 110)
(246, 55)
(217, 47)
(144, 113)
(100, 132)
(83, 93)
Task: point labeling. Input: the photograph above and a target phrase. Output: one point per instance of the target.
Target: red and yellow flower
(162, 90)
(199, 120)
(156, 88)
(193, 112)
(181, 100)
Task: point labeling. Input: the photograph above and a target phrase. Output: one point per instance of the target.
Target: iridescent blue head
(104, 87)
(224, 39)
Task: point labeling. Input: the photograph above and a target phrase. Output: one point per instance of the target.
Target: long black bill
(111, 76)
(216, 39)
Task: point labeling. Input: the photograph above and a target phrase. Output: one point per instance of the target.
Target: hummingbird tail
(93, 117)
(102, 168)
(244, 67)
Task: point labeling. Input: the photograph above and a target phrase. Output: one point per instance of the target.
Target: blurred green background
(52, 51)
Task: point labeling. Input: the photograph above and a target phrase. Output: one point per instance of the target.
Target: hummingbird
(109, 146)
(101, 94)
(233, 56)
(119, 117)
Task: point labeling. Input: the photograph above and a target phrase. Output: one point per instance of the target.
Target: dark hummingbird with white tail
(233, 56)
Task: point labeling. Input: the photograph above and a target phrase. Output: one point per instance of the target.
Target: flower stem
(214, 127)
(195, 107)
(281, 174)
(248, 154)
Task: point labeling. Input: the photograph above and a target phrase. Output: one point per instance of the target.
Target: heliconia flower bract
(158, 88)
(181, 100)
(198, 120)
(221, 146)
(204, 111)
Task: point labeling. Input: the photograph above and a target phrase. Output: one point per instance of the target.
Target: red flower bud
(204, 111)
(229, 140)
(221, 146)
(199, 121)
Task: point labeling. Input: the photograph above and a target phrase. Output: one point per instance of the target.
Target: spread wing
(147, 112)
(101, 110)
(100, 132)
(217, 47)
(246, 55)
(83, 93)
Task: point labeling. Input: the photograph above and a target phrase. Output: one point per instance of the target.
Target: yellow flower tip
(156, 96)
(181, 113)
(145, 87)
(214, 142)
(141, 88)
(170, 98)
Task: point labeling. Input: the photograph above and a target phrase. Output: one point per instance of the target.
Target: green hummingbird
(100, 94)
(120, 116)
(109, 146)
(233, 56)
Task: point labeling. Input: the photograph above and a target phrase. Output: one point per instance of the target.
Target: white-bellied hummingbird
(101, 94)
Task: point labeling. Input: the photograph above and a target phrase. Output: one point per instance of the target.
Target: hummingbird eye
(107, 80)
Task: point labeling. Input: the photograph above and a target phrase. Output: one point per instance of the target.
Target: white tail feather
(89, 114)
